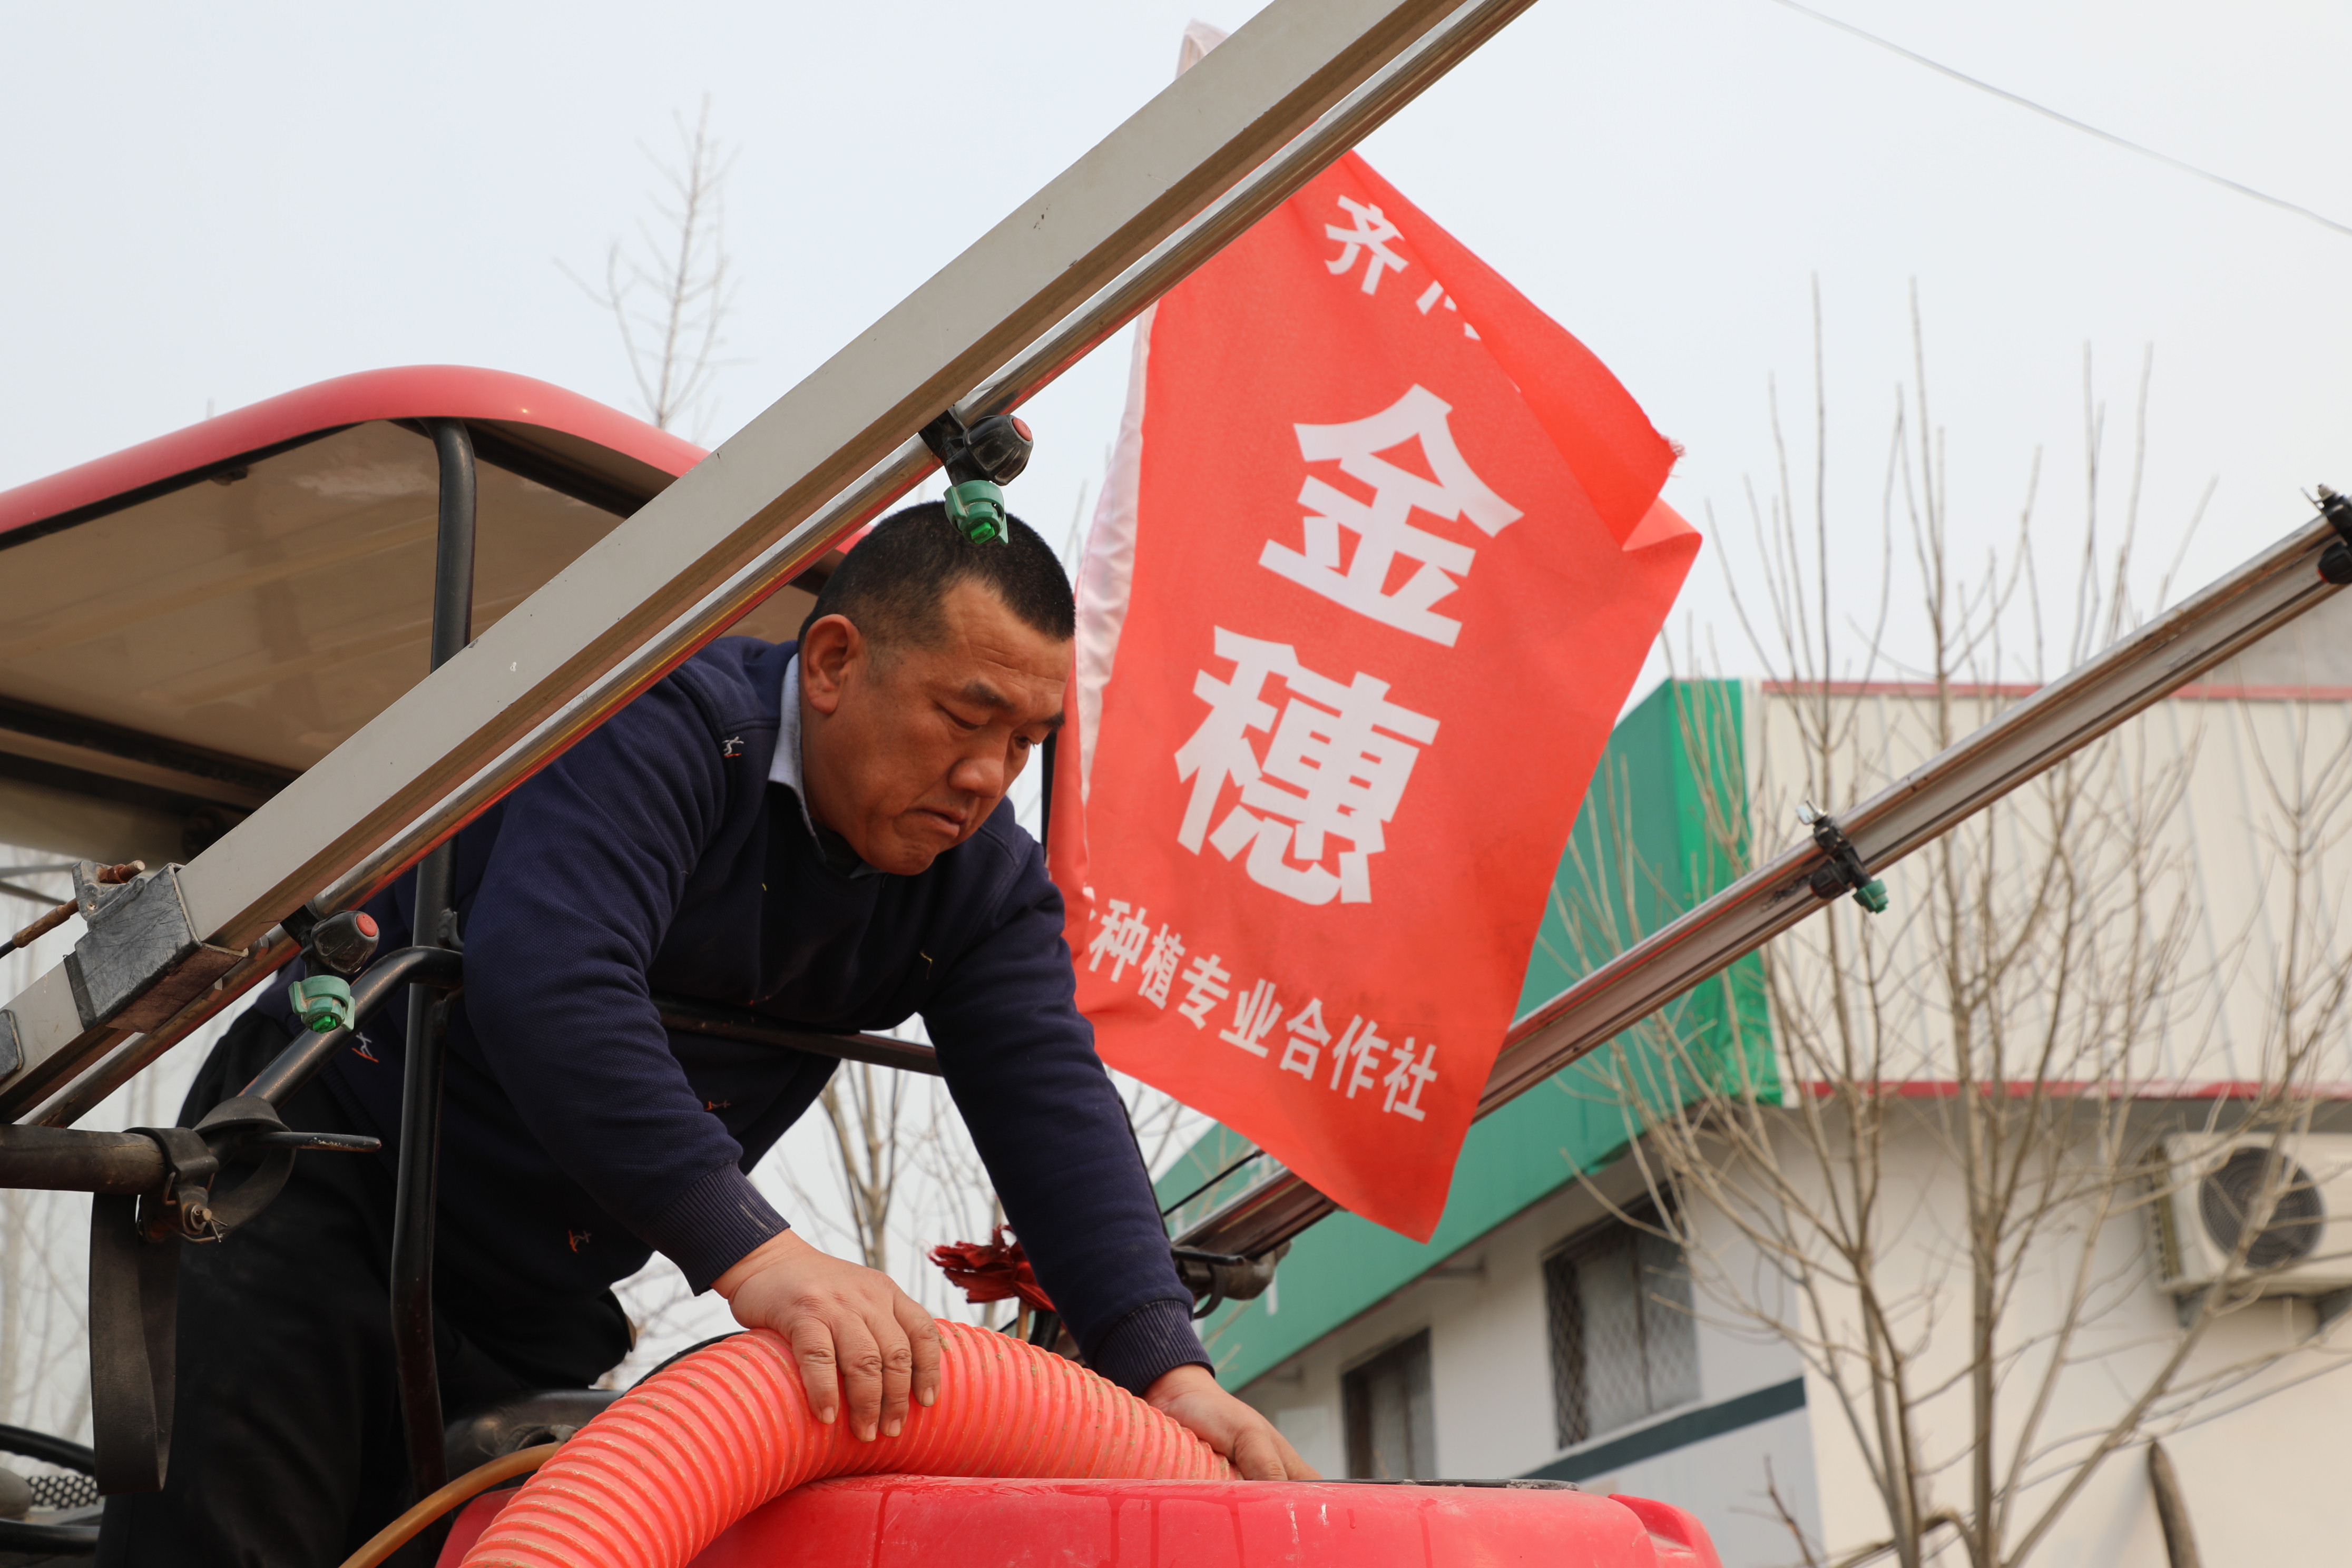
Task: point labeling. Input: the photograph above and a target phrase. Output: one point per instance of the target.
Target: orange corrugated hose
(653, 1480)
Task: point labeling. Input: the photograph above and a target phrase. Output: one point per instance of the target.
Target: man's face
(906, 752)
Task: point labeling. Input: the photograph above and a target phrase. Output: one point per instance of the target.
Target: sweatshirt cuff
(713, 1226)
(1157, 1337)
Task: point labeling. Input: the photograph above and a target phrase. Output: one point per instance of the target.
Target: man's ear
(830, 651)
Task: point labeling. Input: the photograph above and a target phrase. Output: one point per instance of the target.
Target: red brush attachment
(992, 1270)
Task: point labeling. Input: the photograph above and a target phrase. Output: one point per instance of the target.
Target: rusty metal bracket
(142, 960)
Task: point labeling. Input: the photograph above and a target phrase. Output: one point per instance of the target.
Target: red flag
(1379, 559)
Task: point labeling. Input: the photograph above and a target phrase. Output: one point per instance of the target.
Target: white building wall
(2224, 779)
(1729, 1482)
(2260, 1455)
(2227, 775)
(2271, 1400)
(1492, 1381)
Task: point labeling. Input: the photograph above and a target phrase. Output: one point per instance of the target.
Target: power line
(2067, 119)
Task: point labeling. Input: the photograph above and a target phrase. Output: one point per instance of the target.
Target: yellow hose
(465, 1489)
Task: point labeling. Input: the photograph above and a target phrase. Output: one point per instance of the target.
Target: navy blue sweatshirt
(654, 856)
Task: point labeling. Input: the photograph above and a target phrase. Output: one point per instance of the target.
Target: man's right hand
(852, 1330)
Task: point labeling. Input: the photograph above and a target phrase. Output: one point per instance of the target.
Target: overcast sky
(214, 204)
(211, 205)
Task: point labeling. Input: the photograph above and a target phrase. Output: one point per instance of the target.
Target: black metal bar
(428, 1013)
(227, 470)
(412, 1238)
(1212, 1180)
(452, 555)
(126, 1164)
(734, 1023)
(295, 1066)
(62, 1452)
(1045, 789)
(334, 1142)
(41, 1542)
(68, 1160)
(121, 1164)
(247, 783)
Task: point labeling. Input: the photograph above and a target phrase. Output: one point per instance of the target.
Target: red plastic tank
(926, 1521)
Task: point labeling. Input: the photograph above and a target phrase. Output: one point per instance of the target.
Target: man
(815, 830)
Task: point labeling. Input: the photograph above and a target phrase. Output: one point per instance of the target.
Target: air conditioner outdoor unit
(2211, 1182)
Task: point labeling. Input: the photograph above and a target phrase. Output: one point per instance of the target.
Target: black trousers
(288, 1450)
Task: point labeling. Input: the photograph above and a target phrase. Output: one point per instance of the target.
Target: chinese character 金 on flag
(1379, 561)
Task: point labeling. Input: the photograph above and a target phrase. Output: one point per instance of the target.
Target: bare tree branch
(671, 294)
(1933, 1185)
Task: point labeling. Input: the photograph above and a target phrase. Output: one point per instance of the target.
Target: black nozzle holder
(995, 448)
(980, 460)
(2336, 561)
(345, 943)
(1845, 872)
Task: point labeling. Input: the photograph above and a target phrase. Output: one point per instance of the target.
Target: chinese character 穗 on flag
(1379, 561)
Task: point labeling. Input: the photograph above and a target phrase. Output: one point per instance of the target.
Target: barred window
(1623, 1342)
(1391, 1421)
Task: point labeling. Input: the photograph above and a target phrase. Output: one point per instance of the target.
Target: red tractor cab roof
(195, 621)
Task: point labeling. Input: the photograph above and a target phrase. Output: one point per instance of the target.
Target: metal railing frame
(1230, 139)
(2172, 650)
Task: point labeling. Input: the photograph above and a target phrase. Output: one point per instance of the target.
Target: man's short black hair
(891, 584)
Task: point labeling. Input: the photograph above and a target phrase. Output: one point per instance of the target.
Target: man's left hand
(1191, 1395)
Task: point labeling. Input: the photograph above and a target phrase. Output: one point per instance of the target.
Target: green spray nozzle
(979, 458)
(976, 507)
(323, 1002)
